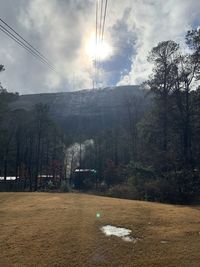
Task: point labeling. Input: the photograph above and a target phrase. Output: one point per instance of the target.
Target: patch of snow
(123, 233)
(117, 231)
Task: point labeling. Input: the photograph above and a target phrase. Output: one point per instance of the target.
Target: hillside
(41, 229)
(77, 102)
(95, 109)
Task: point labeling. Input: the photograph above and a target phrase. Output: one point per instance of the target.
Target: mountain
(92, 109)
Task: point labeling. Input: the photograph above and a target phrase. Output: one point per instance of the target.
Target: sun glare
(101, 50)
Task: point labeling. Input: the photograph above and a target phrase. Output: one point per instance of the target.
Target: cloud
(123, 40)
(60, 29)
(155, 21)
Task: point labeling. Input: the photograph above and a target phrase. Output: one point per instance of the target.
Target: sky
(64, 31)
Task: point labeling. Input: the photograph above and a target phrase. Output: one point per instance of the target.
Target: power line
(96, 44)
(11, 28)
(100, 28)
(104, 20)
(26, 47)
(96, 22)
(100, 32)
(3, 29)
(101, 20)
(20, 43)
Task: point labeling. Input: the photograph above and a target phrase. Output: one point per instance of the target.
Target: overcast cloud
(60, 29)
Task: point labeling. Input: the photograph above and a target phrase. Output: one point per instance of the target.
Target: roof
(8, 178)
(85, 170)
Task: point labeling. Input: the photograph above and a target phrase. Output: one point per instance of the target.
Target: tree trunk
(187, 130)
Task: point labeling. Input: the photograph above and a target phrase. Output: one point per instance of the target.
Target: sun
(101, 51)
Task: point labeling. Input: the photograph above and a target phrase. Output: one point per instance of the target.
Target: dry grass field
(42, 229)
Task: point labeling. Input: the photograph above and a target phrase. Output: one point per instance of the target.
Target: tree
(1, 69)
(193, 42)
(134, 106)
(164, 57)
(7, 127)
(187, 74)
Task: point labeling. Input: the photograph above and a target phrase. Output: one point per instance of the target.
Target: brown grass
(41, 229)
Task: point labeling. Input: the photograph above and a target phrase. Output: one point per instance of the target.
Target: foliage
(147, 149)
(64, 187)
(123, 191)
(113, 174)
(50, 185)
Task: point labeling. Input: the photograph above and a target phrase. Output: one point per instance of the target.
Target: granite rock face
(93, 109)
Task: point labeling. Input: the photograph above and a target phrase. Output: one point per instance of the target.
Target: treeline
(152, 152)
(155, 155)
(31, 145)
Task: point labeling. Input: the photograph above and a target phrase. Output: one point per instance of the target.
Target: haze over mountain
(79, 101)
(95, 109)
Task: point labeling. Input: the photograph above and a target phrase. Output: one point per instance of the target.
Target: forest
(152, 153)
